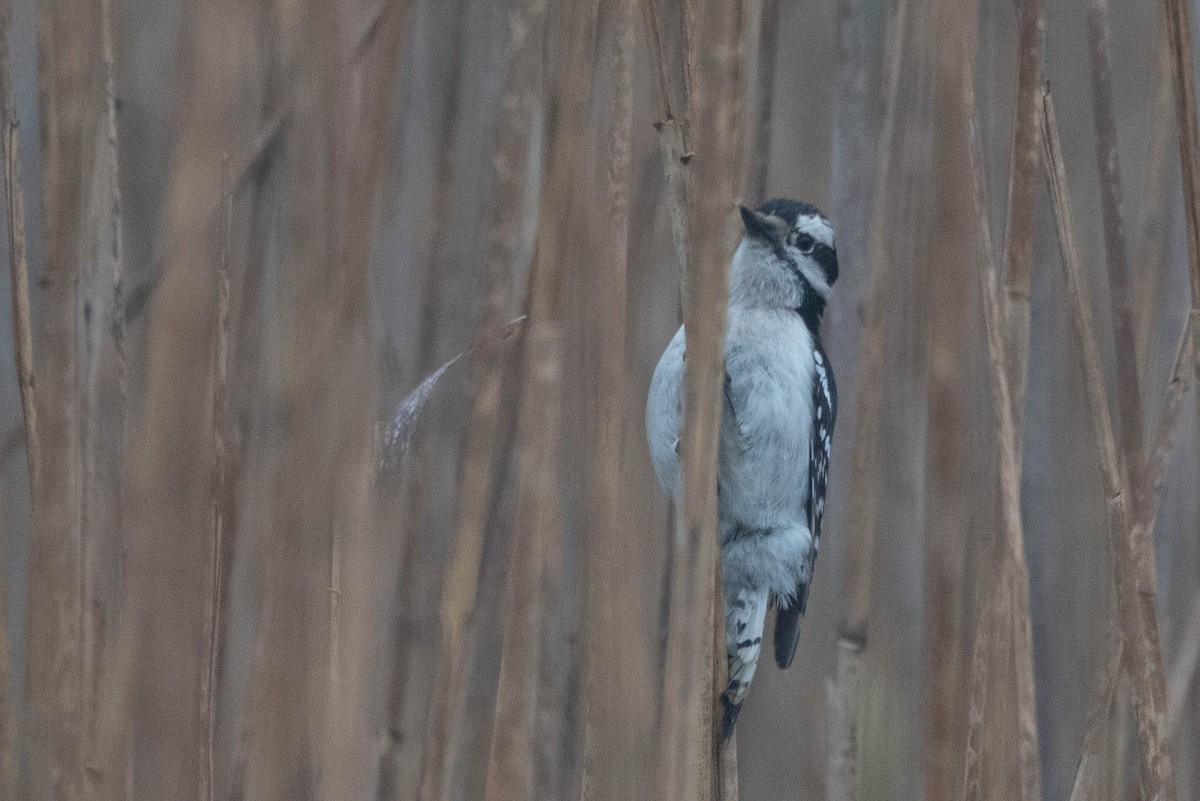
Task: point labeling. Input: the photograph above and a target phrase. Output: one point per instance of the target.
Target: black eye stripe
(826, 257)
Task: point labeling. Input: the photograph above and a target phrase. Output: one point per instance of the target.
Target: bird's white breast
(766, 432)
(763, 465)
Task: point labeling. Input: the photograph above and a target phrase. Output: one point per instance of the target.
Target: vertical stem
(845, 693)
(1008, 606)
(1018, 250)
(488, 365)
(219, 488)
(768, 56)
(1129, 396)
(607, 742)
(18, 261)
(1138, 616)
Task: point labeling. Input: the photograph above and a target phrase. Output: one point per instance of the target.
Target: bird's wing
(787, 623)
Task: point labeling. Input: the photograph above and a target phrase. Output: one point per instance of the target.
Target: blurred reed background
(251, 552)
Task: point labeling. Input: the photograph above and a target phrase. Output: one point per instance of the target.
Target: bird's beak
(758, 226)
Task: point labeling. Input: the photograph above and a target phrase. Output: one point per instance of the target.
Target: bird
(777, 421)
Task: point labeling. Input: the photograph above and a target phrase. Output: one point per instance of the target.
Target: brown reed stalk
(71, 120)
(851, 163)
(712, 58)
(768, 57)
(844, 696)
(9, 761)
(1179, 43)
(321, 489)
(104, 401)
(219, 489)
(1007, 607)
(166, 474)
(667, 39)
(527, 687)
(1090, 769)
(1087, 775)
(365, 553)
(1022, 186)
(416, 557)
(446, 696)
(1120, 287)
(510, 764)
(948, 345)
(17, 250)
(1138, 619)
(23, 356)
(433, 227)
(607, 741)
(1168, 423)
(1018, 259)
(1153, 191)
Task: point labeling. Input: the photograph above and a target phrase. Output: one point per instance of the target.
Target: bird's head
(787, 259)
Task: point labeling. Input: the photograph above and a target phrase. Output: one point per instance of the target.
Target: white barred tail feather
(745, 617)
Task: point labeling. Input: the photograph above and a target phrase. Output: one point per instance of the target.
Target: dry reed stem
(9, 761)
(524, 690)
(946, 337)
(988, 633)
(1168, 422)
(712, 58)
(481, 434)
(251, 161)
(433, 227)
(768, 56)
(17, 250)
(1179, 43)
(364, 551)
(1153, 191)
(1090, 770)
(1018, 250)
(1129, 396)
(852, 160)
(23, 356)
(1125, 345)
(674, 137)
(868, 399)
(322, 352)
(845, 693)
(104, 399)
(1138, 619)
(1013, 582)
(510, 765)
(607, 744)
(117, 253)
(219, 488)
(1018, 260)
(71, 112)
(9, 726)
(725, 755)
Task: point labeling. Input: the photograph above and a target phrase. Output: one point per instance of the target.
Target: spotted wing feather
(787, 623)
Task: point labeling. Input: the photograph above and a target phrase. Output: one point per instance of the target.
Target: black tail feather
(787, 634)
(787, 628)
(729, 719)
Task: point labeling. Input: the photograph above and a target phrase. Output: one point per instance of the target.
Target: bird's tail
(745, 615)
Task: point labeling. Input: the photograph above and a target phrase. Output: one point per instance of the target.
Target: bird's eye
(806, 243)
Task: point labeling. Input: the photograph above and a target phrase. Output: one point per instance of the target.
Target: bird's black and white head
(787, 259)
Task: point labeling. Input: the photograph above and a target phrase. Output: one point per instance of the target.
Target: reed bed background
(322, 472)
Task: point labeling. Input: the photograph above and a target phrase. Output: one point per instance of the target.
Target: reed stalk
(1138, 619)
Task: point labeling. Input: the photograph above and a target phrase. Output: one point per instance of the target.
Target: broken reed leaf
(399, 433)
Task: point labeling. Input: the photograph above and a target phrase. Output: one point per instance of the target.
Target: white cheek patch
(817, 227)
